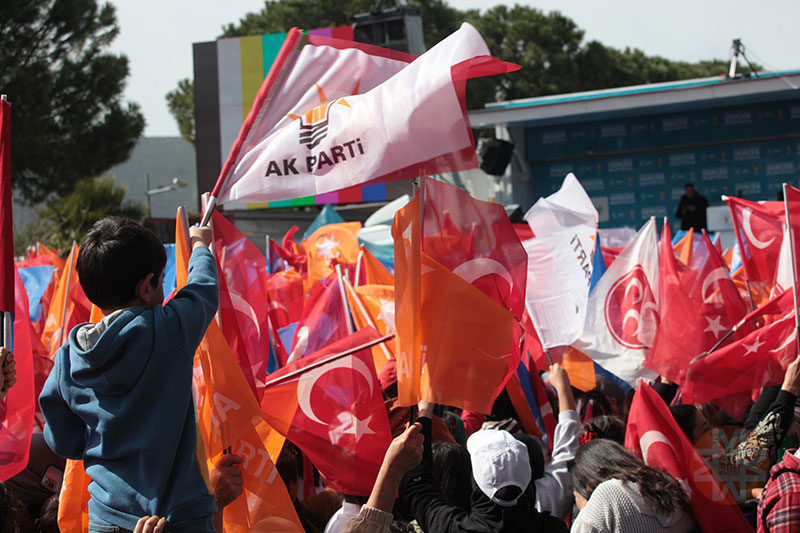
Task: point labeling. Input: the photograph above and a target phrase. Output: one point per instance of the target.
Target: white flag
(334, 114)
(560, 259)
(623, 312)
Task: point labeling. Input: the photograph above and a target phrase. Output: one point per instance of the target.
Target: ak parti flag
(333, 114)
(373, 271)
(68, 291)
(18, 407)
(372, 306)
(73, 500)
(653, 435)
(229, 418)
(6, 219)
(332, 408)
(683, 248)
(758, 228)
(454, 338)
(243, 311)
(330, 244)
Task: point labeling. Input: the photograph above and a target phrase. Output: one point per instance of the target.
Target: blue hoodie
(120, 398)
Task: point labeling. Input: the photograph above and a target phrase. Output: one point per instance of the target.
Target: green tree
(67, 218)
(68, 118)
(181, 105)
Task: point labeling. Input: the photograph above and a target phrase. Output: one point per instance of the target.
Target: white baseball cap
(498, 461)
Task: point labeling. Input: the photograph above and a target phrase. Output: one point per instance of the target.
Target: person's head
(689, 190)
(48, 519)
(120, 264)
(691, 420)
(604, 427)
(538, 453)
(601, 459)
(599, 402)
(289, 468)
(452, 471)
(500, 465)
(456, 427)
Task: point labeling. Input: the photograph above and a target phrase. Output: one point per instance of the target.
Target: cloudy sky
(159, 48)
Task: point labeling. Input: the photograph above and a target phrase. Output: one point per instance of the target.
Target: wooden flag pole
(268, 256)
(794, 265)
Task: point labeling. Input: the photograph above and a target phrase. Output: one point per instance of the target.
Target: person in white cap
(502, 492)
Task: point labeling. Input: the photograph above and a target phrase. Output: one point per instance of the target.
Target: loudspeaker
(398, 29)
(494, 156)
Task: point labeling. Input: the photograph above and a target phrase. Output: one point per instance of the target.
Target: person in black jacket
(692, 209)
(502, 492)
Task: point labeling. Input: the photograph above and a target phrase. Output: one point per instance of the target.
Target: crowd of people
(120, 398)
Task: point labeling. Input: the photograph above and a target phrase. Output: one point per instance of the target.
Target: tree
(548, 46)
(68, 118)
(181, 105)
(67, 218)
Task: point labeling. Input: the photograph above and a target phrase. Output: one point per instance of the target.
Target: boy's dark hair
(116, 254)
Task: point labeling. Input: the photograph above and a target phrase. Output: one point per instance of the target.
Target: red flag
(323, 320)
(285, 291)
(477, 242)
(242, 272)
(653, 435)
(757, 360)
(334, 412)
(6, 219)
(19, 406)
(758, 231)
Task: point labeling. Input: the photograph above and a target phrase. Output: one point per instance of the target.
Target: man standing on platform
(692, 209)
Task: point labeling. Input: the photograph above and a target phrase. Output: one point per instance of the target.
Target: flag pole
(359, 259)
(345, 305)
(794, 265)
(367, 318)
(267, 255)
(66, 292)
(325, 360)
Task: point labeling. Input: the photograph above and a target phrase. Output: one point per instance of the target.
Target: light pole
(176, 184)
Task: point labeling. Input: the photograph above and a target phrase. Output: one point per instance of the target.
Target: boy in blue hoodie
(120, 393)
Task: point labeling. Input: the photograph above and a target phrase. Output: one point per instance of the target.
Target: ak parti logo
(314, 127)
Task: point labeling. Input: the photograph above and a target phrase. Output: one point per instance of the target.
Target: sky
(157, 35)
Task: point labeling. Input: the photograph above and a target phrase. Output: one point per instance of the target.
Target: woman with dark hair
(452, 471)
(604, 427)
(616, 491)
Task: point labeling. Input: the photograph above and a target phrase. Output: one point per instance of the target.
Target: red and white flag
(333, 114)
(623, 311)
(758, 228)
(653, 435)
(6, 221)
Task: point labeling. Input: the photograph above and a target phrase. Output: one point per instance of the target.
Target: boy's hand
(200, 236)
(558, 377)
(150, 524)
(226, 478)
(8, 372)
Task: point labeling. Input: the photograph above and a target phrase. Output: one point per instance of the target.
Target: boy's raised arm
(191, 310)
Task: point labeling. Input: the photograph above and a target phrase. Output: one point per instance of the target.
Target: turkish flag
(332, 408)
(323, 320)
(476, 241)
(757, 360)
(758, 228)
(285, 294)
(653, 435)
(243, 314)
(6, 219)
(454, 337)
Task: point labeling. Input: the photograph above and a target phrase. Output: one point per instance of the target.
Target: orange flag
(230, 419)
(373, 306)
(454, 341)
(580, 369)
(683, 248)
(73, 501)
(77, 306)
(332, 242)
(374, 271)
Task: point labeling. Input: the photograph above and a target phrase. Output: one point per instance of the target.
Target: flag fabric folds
(6, 218)
(560, 262)
(333, 114)
(654, 436)
(68, 292)
(453, 288)
(622, 315)
(332, 408)
(329, 245)
(757, 226)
